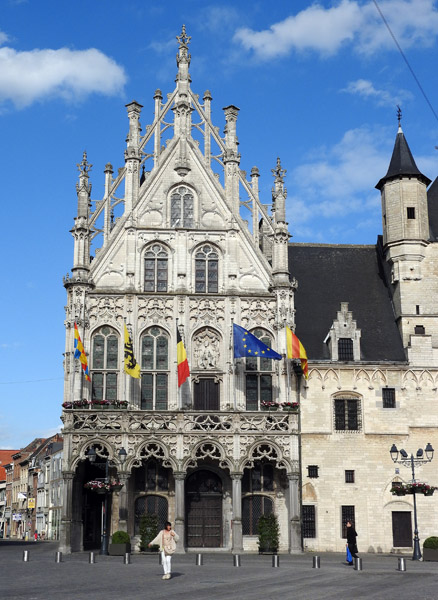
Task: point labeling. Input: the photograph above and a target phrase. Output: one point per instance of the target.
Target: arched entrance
(204, 510)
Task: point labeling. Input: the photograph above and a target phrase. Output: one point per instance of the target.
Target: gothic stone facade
(189, 242)
(179, 253)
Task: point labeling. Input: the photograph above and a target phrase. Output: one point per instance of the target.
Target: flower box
(429, 492)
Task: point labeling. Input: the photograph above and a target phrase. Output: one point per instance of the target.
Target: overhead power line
(405, 59)
(30, 381)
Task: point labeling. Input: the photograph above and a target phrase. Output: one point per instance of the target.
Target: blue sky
(316, 84)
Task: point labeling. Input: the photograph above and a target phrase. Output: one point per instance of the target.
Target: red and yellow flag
(181, 357)
(295, 349)
(80, 353)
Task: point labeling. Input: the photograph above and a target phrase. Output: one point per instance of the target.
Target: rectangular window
(147, 392)
(149, 275)
(309, 521)
(97, 386)
(347, 515)
(388, 397)
(411, 212)
(347, 414)
(349, 476)
(252, 392)
(213, 276)
(419, 330)
(200, 275)
(345, 349)
(312, 471)
(162, 275)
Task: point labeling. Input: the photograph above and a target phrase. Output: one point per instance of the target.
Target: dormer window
(343, 339)
(182, 207)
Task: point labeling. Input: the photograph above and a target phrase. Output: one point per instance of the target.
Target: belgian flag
(181, 357)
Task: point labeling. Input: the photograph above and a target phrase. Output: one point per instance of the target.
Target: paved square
(109, 578)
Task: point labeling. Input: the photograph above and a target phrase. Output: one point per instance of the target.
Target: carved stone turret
(280, 265)
(132, 156)
(231, 158)
(81, 229)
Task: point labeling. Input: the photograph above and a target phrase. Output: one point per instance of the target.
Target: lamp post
(91, 454)
(298, 370)
(412, 461)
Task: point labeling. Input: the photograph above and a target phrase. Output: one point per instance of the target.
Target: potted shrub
(269, 534)
(430, 548)
(148, 531)
(120, 543)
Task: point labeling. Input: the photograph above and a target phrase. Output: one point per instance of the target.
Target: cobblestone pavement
(109, 578)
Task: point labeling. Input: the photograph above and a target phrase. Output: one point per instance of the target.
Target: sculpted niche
(206, 350)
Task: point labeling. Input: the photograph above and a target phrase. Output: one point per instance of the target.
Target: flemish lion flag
(181, 359)
(80, 353)
(295, 349)
(131, 366)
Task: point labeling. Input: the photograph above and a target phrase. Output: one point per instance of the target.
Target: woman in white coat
(166, 540)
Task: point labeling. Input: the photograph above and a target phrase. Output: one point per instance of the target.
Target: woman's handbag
(168, 548)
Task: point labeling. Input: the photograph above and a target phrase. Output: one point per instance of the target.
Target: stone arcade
(180, 252)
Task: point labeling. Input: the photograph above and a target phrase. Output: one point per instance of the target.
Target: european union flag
(246, 344)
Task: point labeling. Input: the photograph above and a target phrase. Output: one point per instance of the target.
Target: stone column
(236, 479)
(295, 546)
(65, 533)
(123, 500)
(180, 510)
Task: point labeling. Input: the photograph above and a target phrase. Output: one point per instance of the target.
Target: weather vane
(399, 114)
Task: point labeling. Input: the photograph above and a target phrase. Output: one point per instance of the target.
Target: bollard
(358, 564)
(236, 560)
(275, 560)
(58, 557)
(199, 560)
(316, 562)
(25, 555)
(92, 558)
(401, 564)
(127, 558)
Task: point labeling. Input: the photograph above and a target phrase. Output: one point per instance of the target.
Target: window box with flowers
(398, 489)
(76, 404)
(290, 406)
(271, 405)
(99, 486)
(420, 488)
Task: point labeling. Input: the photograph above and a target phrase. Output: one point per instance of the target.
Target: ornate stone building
(185, 241)
(177, 251)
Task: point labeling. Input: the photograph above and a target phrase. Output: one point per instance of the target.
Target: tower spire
(183, 59)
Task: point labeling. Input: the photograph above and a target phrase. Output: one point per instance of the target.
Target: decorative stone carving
(206, 311)
(258, 312)
(106, 309)
(155, 310)
(206, 349)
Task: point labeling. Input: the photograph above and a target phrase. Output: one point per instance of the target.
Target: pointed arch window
(259, 376)
(154, 369)
(105, 356)
(207, 270)
(156, 269)
(182, 207)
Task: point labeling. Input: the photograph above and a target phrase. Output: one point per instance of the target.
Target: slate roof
(432, 207)
(402, 162)
(330, 274)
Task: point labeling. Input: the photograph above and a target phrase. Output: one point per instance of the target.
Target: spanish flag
(80, 353)
(295, 349)
(181, 358)
(131, 365)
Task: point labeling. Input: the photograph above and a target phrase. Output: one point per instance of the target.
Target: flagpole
(72, 366)
(287, 369)
(126, 376)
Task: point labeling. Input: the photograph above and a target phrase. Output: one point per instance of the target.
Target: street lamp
(91, 454)
(411, 461)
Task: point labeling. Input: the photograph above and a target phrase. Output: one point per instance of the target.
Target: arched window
(151, 505)
(253, 507)
(105, 356)
(206, 270)
(259, 376)
(151, 476)
(182, 207)
(156, 269)
(154, 369)
(258, 479)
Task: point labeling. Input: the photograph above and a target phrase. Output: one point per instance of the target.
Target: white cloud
(27, 77)
(342, 182)
(326, 30)
(3, 38)
(366, 89)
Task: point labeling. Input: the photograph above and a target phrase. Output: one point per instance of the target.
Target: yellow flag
(131, 366)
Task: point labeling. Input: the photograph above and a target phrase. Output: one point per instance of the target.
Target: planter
(399, 493)
(116, 488)
(119, 549)
(428, 492)
(430, 554)
(268, 550)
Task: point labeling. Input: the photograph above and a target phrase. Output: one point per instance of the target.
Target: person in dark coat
(351, 540)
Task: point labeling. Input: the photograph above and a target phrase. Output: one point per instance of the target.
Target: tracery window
(259, 376)
(206, 270)
(182, 207)
(156, 269)
(105, 354)
(154, 369)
